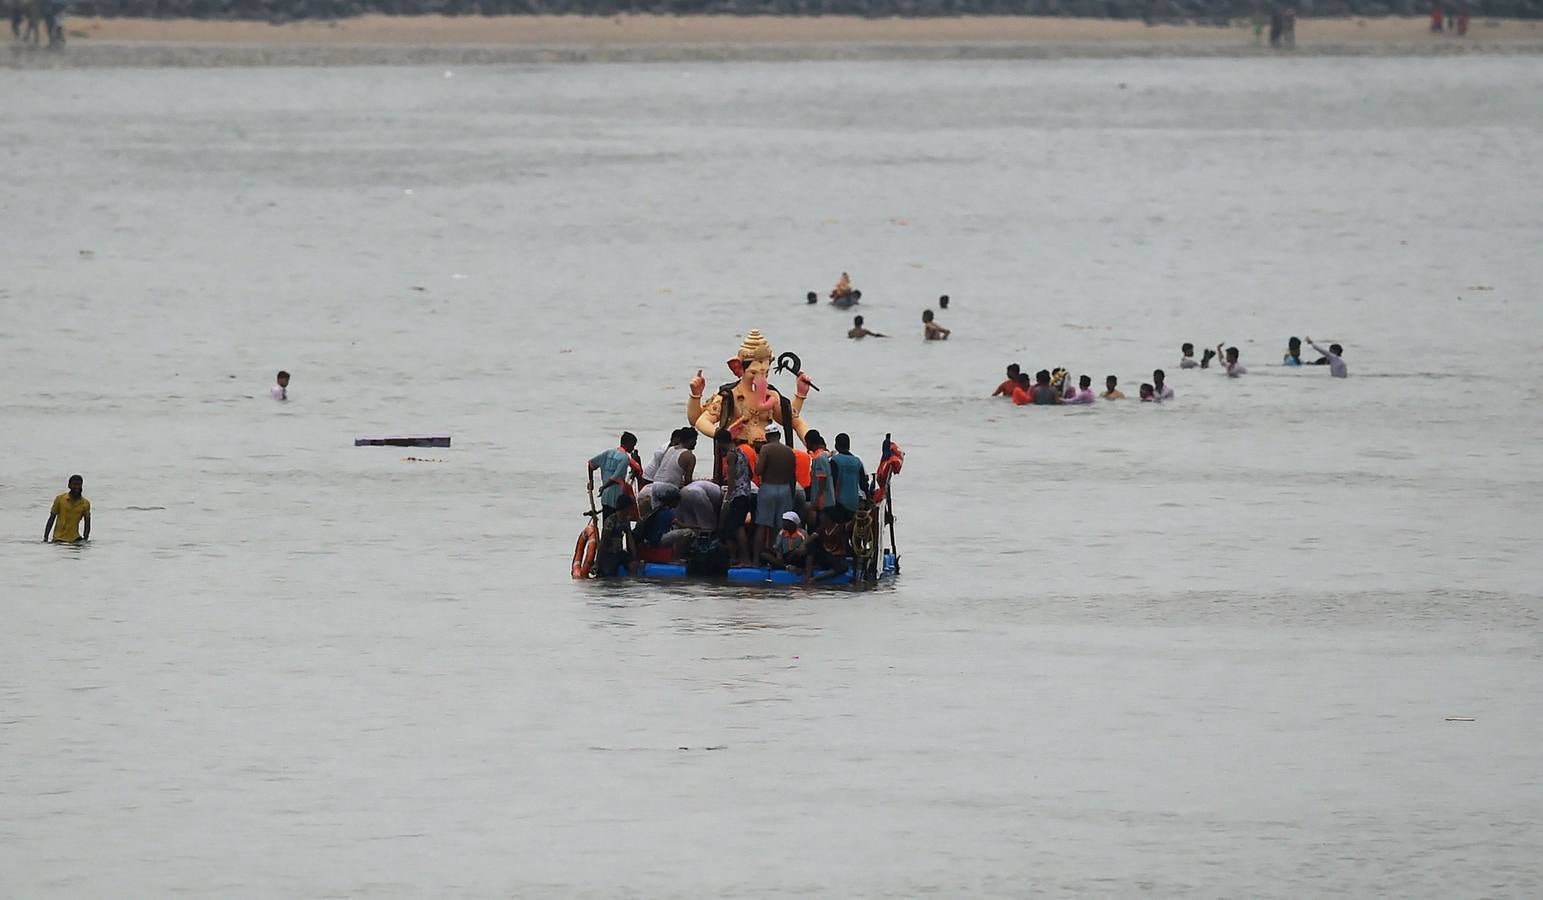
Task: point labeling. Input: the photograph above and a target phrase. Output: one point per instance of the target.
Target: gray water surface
(1207, 648)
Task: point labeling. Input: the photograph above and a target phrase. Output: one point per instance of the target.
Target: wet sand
(523, 39)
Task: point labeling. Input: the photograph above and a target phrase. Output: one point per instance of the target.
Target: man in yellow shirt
(68, 512)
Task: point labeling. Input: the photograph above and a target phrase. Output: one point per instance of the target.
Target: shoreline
(473, 40)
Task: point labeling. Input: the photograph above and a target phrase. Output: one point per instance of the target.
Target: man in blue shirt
(614, 466)
(851, 480)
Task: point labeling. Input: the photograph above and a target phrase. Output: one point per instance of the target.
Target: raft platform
(404, 440)
(764, 574)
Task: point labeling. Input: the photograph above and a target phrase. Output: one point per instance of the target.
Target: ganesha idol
(746, 407)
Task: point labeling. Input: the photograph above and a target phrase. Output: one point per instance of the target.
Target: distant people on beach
(71, 511)
(933, 330)
(280, 389)
(857, 332)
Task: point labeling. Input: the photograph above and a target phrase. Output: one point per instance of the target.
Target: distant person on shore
(812, 298)
(1293, 355)
(1112, 389)
(1006, 388)
(1277, 25)
(1234, 368)
(932, 330)
(1084, 394)
(1436, 18)
(943, 302)
(858, 332)
(1160, 389)
(1187, 361)
(70, 511)
(1045, 393)
(280, 389)
(1289, 28)
(1462, 19)
(1333, 358)
(1259, 19)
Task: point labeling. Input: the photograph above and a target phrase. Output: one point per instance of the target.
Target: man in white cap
(788, 543)
(778, 468)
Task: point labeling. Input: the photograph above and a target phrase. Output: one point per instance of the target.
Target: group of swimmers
(844, 296)
(932, 329)
(768, 504)
(1054, 387)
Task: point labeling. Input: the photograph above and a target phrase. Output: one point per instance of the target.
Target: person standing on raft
(615, 466)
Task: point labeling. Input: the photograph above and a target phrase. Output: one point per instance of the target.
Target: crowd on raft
(769, 505)
(1054, 387)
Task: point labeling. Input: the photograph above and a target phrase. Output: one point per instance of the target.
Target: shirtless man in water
(932, 330)
(858, 332)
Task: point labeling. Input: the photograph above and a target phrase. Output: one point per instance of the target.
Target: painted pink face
(758, 368)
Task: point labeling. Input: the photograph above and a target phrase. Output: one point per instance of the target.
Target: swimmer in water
(280, 389)
(931, 330)
(858, 332)
(943, 302)
(1160, 389)
(1084, 393)
(1188, 360)
(812, 298)
(1045, 393)
(1293, 355)
(1333, 358)
(1005, 389)
(1234, 368)
(1147, 394)
(1112, 390)
(1023, 390)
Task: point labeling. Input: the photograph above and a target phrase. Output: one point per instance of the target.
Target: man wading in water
(69, 512)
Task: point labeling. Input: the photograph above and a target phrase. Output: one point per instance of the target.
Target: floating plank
(404, 440)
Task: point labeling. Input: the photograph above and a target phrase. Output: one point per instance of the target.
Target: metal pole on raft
(889, 517)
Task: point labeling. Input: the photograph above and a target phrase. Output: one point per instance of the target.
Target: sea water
(1204, 648)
